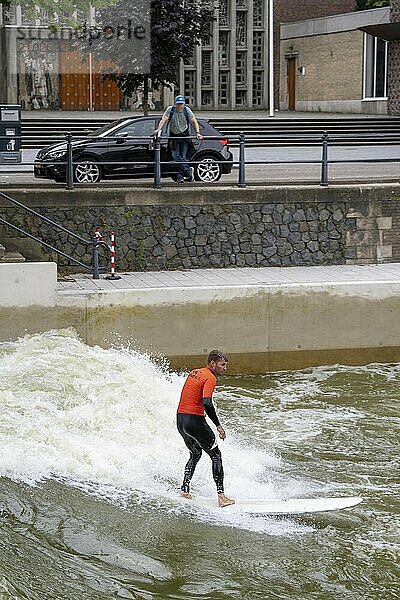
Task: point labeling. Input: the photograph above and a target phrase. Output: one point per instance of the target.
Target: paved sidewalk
(243, 277)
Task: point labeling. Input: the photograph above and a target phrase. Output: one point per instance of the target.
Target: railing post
(95, 257)
(69, 166)
(242, 162)
(324, 172)
(157, 162)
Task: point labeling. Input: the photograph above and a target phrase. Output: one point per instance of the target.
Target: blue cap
(179, 99)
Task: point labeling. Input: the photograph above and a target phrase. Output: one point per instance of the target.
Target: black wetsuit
(199, 436)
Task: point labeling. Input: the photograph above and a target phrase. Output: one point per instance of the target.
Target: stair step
(12, 257)
(38, 133)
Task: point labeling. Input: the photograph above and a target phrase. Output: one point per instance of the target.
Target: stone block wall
(176, 237)
(253, 227)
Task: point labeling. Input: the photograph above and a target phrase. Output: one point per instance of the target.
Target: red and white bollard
(97, 234)
(112, 275)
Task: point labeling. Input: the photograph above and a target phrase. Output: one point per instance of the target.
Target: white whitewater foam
(105, 420)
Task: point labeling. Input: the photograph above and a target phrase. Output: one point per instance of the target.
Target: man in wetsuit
(195, 403)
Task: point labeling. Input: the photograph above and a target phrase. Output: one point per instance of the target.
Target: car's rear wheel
(208, 170)
(87, 172)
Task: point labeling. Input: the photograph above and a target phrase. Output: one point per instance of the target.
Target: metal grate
(190, 86)
(258, 88)
(241, 68)
(258, 48)
(240, 97)
(207, 35)
(223, 48)
(241, 26)
(258, 13)
(206, 67)
(207, 98)
(9, 14)
(223, 13)
(223, 90)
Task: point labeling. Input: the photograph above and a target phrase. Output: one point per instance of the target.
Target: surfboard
(291, 506)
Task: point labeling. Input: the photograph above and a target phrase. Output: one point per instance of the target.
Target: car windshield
(103, 129)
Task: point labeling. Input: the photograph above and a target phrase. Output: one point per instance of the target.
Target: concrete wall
(28, 284)
(263, 328)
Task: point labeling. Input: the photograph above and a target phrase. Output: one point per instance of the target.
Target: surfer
(195, 403)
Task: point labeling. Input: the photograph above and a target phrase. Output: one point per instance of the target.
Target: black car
(128, 143)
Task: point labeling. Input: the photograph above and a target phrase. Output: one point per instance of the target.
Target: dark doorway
(291, 82)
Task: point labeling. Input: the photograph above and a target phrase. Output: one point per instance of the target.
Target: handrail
(29, 235)
(33, 212)
(94, 242)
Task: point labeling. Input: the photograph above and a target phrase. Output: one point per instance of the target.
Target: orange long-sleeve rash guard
(199, 384)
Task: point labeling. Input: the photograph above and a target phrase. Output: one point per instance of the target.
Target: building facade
(345, 63)
(228, 71)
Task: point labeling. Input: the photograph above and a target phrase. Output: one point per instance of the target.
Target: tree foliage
(367, 4)
(176, 29)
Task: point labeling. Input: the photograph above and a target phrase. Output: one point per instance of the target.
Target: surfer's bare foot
(224, 500)
(186, 495)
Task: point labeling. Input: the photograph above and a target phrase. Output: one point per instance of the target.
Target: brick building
(342, 63)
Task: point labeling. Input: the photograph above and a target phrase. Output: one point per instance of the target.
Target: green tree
(367, 4)
(52, 8)
(176, 29)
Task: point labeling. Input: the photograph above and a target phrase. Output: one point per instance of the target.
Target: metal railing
(94, 242)
(155, 145)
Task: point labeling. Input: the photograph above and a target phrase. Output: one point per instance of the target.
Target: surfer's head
(217, 362)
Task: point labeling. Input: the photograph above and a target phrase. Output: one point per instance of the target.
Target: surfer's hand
(221, 432)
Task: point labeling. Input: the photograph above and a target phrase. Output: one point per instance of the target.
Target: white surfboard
(292, 506)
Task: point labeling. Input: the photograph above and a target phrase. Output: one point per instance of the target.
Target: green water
(74, 529)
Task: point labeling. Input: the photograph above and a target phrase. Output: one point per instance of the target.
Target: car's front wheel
(87, 172)
(208, 170)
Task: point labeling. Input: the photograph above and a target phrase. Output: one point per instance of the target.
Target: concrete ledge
(262, 327)
(335, 23)
(28, 284)
(200, 196)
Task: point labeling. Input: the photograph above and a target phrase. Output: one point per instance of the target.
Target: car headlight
(56, 154)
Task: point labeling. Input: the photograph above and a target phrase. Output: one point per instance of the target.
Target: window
(241, 68)
(223, 49)
(137, 128)
(206, 68)
(190, 86)
(223, 88)
(375, 67)
(257, 88)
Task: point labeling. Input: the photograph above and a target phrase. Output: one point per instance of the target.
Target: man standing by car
(179, 117)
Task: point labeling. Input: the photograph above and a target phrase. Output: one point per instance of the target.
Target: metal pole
(95, 257)
(157, 162)
(242, 162)
(69, 166)
(271, 56)
(112, 275)
(324, 172)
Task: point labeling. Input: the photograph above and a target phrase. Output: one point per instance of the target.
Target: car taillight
(224, 142)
